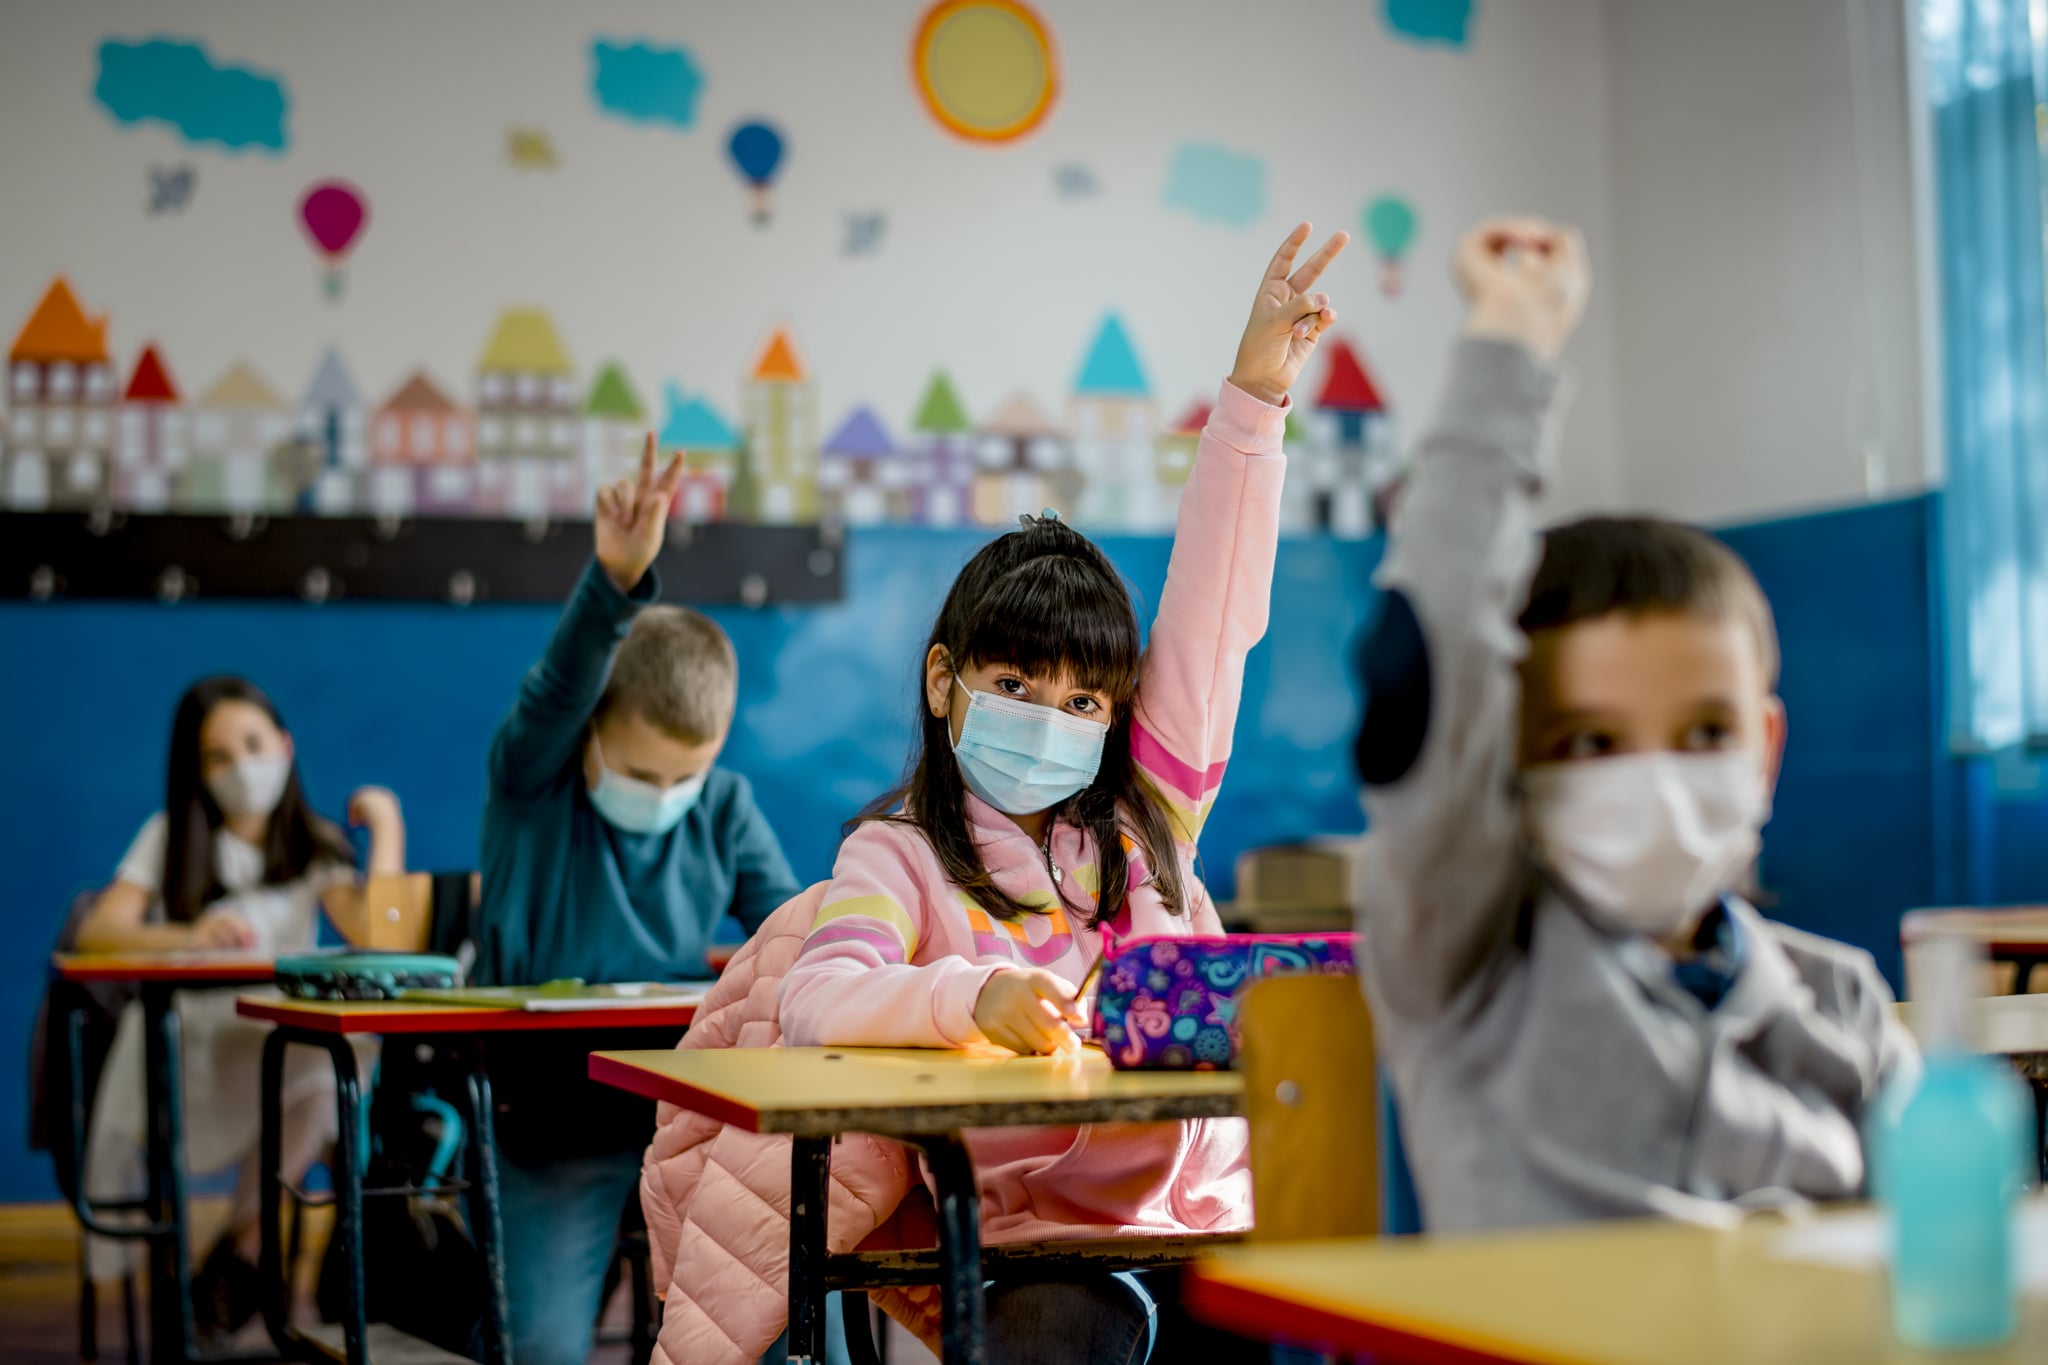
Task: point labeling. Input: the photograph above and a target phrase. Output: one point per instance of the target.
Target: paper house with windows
(1355, 454)
(863, 480)
(331, 452)
(711, 452)
(941, 456)
(1023, 465)
(1174, 453)
(152, 448)
(777, 482)
(1113, 424)
(237, 426)
(614, 429)
(422, 453)
(529, 439)
(61, 408)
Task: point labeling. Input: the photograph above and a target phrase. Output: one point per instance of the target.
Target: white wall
(1763, 284)
(640, 244)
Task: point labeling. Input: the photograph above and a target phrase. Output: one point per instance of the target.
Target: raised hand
(1526, 281)
(374, 809)
(1286, 320)
(631, 517)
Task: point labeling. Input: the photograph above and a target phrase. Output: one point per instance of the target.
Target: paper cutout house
(236, 427)
(61, 398)
(333, 441)
(941, 456)
(1113, 424)
(529, 453)
(1174, 454)
(711, 454)
(863, 480)
(422, 453)
(1025, 465)
(1344, 472)
(777, 483)
(614, 429)
(152, 446)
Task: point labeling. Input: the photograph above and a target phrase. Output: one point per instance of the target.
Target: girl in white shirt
(236, 859)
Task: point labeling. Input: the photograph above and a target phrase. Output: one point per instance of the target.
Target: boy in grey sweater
(1569, 747)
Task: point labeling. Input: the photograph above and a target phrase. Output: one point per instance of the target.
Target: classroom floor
(39, 1290)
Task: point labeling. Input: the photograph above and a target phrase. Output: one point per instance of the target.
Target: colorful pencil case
(365, 975)
(1170, 1004)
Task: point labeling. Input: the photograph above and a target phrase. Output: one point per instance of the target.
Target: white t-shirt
(286, 915)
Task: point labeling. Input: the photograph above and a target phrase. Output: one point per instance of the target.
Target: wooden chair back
(1312, 1096)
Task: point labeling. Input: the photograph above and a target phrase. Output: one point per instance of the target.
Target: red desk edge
(123, 967)
(461, 1018)
(646, 1084)
(1261, 1316)
(1915, 925)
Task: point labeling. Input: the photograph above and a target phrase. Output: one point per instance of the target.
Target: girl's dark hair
(1040, 599)
(295, 839)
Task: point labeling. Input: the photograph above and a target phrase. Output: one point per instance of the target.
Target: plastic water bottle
(1951, 1160)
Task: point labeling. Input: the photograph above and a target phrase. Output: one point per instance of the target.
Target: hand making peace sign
(631, 516)
(1286, 320)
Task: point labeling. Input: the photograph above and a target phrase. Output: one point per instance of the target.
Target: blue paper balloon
(757, 150)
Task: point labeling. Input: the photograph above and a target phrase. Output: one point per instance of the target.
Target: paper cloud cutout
(177, 83)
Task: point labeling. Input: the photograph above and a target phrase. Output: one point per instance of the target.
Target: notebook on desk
(557, 997)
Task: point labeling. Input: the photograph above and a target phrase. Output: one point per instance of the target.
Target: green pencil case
(365, 976)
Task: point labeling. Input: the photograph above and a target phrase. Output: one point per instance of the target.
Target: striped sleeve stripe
(875, 908)
(886, 945)
(1187, 783)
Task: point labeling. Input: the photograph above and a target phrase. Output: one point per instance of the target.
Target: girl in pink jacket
(1054, 799)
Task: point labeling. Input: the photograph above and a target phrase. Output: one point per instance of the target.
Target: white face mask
(253, 786)
(1647, 841)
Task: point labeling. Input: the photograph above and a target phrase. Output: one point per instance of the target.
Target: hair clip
(1045, 515)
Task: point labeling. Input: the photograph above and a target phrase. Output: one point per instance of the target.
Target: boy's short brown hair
(1645, 566)
(678, 670)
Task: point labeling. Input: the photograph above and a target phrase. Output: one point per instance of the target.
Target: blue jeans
(561, 1223)
(1128, 1318)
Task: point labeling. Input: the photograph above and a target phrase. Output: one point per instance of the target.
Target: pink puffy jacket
(717, 1198)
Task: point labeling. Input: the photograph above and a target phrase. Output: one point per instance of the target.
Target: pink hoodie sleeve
(1212, 610)
(854, 984)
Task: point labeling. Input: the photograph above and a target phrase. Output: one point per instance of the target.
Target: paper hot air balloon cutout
(1390, 226)
(756, 151)
(334, 214)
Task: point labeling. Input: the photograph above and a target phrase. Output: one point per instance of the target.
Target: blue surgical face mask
(641, 807)
(1023, 758)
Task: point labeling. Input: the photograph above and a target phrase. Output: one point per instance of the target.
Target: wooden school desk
(1634, 1293)
(2017, 934)
(329, 1024)
(919, 1096)
(160, 976)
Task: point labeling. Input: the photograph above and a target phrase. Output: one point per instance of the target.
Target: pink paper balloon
(334, 212)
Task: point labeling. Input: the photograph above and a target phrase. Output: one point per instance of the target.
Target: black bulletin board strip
(70, 556)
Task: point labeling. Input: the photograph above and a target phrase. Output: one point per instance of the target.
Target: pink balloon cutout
(334, 212)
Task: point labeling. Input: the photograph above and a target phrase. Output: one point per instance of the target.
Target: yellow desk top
(823, 1091)
(1635, 1293)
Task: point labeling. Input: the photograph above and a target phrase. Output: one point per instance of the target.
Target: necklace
(1045, 846)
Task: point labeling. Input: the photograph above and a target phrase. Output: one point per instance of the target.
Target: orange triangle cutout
(778, 364)
(60, 329)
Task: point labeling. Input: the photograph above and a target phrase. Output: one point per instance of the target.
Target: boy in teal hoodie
(612, 847)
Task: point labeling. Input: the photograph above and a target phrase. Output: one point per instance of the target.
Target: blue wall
(1873, 818)
(406, 696)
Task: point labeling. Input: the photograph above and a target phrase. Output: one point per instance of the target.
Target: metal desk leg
(277, 1290)
(486, 1219)
(348, 1196)
(170, 1287)
(349, 1160)
(962, 1322)
(810, 1179)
